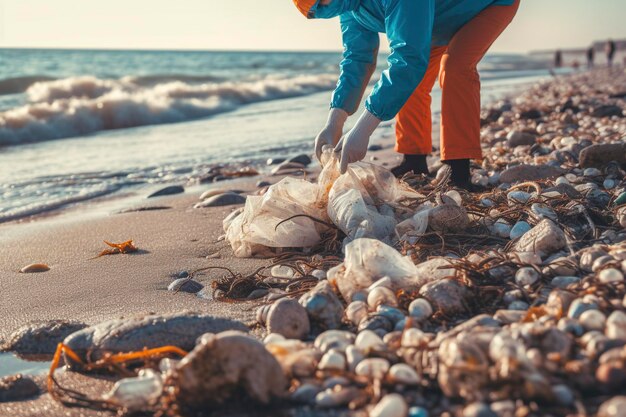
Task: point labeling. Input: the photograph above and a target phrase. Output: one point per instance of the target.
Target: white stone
(401, 373)
(368, 341)
(356, 311)
(333, 360)
(610, 275)
(526, 276)
(381, 295)
(374, 368)
(616, 325)
(420, 309)
(391, 405)
(593, 320)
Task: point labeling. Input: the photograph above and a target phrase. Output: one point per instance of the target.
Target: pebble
(391, 405)
(616, 325)
(614, 407)
(445, 295)
(332, 398)
(593, 320)
(226, 199)
(356, 311)
(367, 341)
(185, 285)
(381, 295)
(172, 189)
(333, 360)
(40, 338)
(519, 229)
(17, 388)
(543, 211)
(518, 197)
(288, 318)
(601, 154)
(305, 394)
(545, 238)
(303, 159)
(420, 309)
(34, 268)
(564, 281)
(401, 373)
(373, 368)
(519, 138)
(610, 275)
(323, 306)
(478, 409)
(526, 276)
(353, 357)
(525, 172)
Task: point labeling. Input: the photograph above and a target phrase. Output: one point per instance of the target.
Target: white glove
(353, 146)
(331, 133)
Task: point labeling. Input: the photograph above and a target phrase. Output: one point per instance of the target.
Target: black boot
(460, 173)
(411, 163)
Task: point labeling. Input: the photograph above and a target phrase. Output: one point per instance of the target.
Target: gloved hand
(331, 133)
(353, 146)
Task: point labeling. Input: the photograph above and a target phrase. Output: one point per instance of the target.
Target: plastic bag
(367, 261)
(360, 203)
(259, 229)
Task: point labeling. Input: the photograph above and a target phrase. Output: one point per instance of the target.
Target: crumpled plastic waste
(361, 203)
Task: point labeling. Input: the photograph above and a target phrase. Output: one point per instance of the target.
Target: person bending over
(427, 39)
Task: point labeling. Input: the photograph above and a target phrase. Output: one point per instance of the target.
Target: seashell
(374, 368)
(34, 268)
(391, 405)
(401, 373)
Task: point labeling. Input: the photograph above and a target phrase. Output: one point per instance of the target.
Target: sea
(76, 125)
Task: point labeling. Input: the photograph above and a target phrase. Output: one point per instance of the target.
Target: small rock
(275, 161)
(287, 168)
(17, 388)
(526, 276)
(41, 338)
(616, 325)
(288, 318)
(518, 197)
(478, 410)
(530, 114)
(520, 138)
(601, 154)
(323, 306)
(420, 309)
(519, 229)
(333, 360)
(336, 398)
(226, 199)
(529, 173)
(607, 110)
(448, 217)
(446, 295)
(374, 148)
(401, 373)
(185, 285)
(545, 238)
(302, 159)
(615, 407)
(262, 184)
(34, 268)
(391, 405)
(593, 320)
(610, 275)
(227, 366)
(172, 189)
(305, 394)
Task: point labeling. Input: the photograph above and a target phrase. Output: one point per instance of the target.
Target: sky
(266, 25)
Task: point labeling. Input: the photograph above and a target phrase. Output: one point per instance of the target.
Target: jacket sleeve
(409, 26)
(360, 50)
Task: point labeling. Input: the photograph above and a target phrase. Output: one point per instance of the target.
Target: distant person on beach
(610, 51)
(558, 59)
(428, 38)
(590, 56)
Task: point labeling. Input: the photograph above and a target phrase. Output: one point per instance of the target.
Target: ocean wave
(82, 105)
(20, 84)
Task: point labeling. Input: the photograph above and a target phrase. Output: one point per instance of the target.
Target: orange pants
(460, 85)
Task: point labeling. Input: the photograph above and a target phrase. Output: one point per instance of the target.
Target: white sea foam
(82, 105)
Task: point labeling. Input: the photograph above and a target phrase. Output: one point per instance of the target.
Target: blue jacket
(412, 27)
